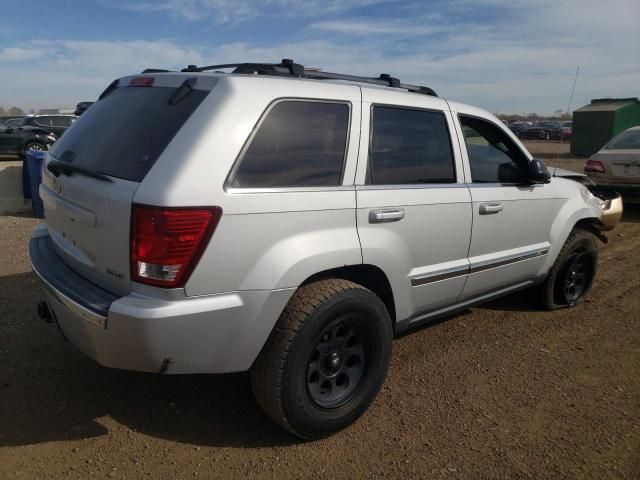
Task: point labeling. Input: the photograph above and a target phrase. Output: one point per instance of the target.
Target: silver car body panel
(431, 241)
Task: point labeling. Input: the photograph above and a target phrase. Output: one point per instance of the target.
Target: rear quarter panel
(267, 238)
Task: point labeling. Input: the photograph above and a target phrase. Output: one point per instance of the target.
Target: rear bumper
(209, 334)
(616, 185)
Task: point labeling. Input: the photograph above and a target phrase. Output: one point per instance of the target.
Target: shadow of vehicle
(50, 392)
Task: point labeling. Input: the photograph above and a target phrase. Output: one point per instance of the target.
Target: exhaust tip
(44, 312)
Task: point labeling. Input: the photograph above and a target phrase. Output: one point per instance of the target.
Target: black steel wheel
(338, 363)
(325, 360)
(571, 276)
(577, 276)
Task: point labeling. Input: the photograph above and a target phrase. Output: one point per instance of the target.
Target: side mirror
(537, 172)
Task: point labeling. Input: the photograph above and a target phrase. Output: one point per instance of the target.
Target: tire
(555, 291)
(333, 335)
(35, 146)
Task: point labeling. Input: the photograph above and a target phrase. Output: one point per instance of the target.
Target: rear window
(123, 134)
(299, 143)
(626, 140)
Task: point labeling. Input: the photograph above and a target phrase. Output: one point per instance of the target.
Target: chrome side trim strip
(481, 266)
(442, 275)
(477, 267)
(75, 308)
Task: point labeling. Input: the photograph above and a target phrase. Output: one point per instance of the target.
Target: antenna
(573, 89)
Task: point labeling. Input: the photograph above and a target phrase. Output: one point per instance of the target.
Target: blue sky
(505, 56)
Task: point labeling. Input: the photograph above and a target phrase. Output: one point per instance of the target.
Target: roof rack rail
(289, 68)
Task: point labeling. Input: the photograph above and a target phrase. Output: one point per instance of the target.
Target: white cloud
(224, 11)
(524, 60)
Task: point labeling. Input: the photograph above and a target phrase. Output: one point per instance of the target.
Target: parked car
(517, 127)
(56, 124)
(290, 222)
(567, 130)
(616, 166)
(542, 131)
(82, 107)
(17, 141)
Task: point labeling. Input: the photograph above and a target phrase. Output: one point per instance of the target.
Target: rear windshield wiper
(57, 167)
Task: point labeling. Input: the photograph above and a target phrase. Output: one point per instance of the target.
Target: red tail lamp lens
(166, 243)
(594, 166)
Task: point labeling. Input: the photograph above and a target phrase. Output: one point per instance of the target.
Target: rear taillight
(594, 166)
(166, 243)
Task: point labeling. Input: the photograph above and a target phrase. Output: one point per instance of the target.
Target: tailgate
(88, 221)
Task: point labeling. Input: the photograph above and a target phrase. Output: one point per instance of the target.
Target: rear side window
(123, 134)
(44, 121)
(409, 147)
(298, 143)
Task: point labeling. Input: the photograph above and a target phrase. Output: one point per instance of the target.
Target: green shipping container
(597, 123)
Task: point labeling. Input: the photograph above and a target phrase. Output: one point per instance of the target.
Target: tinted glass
(626, 140)
(409, 146)
(123, 134)
(297, 144)
(490, 150)
(3, 127)
(61, 121)
(16, 122)
(44, 121)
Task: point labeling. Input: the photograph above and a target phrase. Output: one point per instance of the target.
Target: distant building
(597, 123)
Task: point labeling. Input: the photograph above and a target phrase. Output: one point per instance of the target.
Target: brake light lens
(166, 243)
(141, 82)
(594, 166)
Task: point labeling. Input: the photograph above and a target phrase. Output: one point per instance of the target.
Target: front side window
(297, 144)
(409, 147)
(493, 156)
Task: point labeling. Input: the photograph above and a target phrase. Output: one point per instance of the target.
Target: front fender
(580, 205)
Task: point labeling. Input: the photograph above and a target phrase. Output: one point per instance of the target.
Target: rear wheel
(325, 360)
(35, 146)
(572, 274)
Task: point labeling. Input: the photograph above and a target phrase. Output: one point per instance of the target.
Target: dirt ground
(499, 391)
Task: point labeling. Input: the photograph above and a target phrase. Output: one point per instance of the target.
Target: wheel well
(592, 225)
(368, 276)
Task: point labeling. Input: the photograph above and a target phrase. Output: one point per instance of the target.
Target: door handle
(489, 208)
(386, 215)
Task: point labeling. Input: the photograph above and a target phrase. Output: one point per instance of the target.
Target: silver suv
(289, 222)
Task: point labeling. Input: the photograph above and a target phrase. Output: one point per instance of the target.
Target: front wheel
(325, 360)
(571, 276)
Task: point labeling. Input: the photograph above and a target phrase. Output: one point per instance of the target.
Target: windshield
(16, 122)
(626, 140)
(123, 134)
